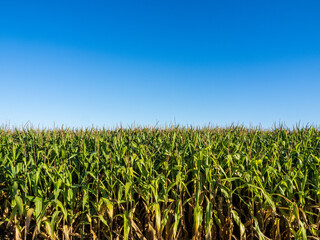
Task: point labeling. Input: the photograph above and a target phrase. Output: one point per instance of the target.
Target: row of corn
(152, 183)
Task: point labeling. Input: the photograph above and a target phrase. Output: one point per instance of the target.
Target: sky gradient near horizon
(105, 63)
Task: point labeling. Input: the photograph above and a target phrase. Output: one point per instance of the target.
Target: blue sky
(107, 63)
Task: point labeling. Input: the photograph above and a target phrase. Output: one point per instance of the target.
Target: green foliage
(150, 183)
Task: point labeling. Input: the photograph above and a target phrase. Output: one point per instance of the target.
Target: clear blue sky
(80, 63)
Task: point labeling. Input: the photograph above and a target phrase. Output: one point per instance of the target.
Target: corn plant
(154, 183)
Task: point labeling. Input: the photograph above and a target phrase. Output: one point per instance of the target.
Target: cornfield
(153, 183)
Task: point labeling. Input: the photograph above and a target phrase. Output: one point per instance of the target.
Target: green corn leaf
(239, 223)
